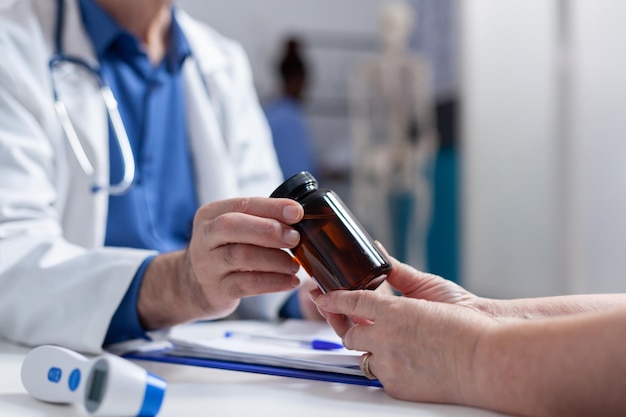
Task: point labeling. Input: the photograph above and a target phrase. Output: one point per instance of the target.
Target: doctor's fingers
(282, 209)
(244, 228)
(231, 258)
(246, 284)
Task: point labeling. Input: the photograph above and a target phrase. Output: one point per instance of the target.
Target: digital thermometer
(106, 385)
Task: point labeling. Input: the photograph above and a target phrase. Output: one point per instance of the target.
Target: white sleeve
(51, 291)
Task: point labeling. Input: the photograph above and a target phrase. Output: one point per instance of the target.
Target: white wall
(544, 147)
(260, 25)
(510, 198)
(598, 133)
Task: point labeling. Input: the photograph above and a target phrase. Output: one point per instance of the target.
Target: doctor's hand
(235, 252)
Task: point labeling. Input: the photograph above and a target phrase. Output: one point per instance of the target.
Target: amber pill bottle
(334, 248)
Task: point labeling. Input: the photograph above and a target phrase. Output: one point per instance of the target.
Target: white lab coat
(58, 283)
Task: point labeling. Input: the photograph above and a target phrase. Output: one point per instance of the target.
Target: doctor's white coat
(58, 283)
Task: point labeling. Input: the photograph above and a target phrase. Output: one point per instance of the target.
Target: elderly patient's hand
(419, 350)
(235, 252)
(309, 290)
(417, 284)
(420, 343)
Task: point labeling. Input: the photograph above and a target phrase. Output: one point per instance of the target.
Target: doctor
(119, 220)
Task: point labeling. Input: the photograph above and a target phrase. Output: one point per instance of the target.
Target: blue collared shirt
(158, 211)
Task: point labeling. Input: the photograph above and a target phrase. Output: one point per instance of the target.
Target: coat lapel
(214, 171)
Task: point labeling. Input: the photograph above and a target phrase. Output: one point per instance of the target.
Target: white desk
(207, 392)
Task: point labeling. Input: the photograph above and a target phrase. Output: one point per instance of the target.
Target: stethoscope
(113, 114)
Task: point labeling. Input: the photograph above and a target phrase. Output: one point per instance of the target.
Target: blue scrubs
(292, 140)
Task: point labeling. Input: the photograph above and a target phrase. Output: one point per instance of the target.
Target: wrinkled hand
(235, 252)
(421, 350)
(309, 290)
(420, 285)
(421, 343)
(417, 284)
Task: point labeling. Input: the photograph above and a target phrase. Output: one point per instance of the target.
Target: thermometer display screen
(97, 385)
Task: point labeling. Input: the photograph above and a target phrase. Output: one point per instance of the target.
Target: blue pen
(316, 344)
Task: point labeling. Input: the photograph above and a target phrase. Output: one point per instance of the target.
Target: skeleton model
(394, 140)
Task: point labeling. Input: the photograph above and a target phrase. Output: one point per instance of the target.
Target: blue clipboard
(162, 356)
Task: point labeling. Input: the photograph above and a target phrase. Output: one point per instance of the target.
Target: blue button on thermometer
(106, 385)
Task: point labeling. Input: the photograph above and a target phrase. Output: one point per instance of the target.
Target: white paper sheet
(255, 351)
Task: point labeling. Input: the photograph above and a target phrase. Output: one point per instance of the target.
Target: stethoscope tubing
(121, 136)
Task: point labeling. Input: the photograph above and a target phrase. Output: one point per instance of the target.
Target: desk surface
(203, 392)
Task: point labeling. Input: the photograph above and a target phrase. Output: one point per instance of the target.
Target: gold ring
(365, 366)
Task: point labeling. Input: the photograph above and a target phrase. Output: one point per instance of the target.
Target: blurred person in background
(285, 113)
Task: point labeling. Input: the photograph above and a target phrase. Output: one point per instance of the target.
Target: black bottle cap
(295, 185)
